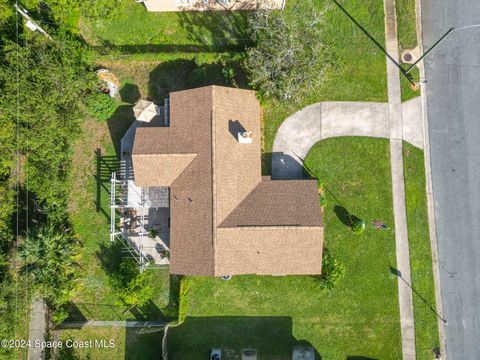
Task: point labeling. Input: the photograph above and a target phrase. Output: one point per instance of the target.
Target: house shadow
(119, 123)
(283, 166)
(272, 335)
(143, 343)
(107, 47)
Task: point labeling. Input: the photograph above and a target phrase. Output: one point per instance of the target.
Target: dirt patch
(133, 72)
(93, 135)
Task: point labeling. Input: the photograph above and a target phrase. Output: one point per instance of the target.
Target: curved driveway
(324, 120)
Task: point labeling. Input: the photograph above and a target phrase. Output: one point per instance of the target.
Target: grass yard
(129, 344)
(426, 321)
(407, 39)
(406, 87)
(89, 208)
(130, 29)
(406, 24)
(359, 317)
(360, 71)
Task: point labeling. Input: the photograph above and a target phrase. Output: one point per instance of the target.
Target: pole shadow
(398, 273)
(408, 76)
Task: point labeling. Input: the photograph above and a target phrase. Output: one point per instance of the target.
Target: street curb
(429, 185)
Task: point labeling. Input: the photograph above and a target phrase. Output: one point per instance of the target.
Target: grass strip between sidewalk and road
(426, 320)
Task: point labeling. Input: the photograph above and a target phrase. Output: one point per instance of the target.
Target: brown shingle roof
(159, 169)
(278, 202)
(275, 250)
(219, 197)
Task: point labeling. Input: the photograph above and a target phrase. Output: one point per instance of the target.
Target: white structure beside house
(209, 5)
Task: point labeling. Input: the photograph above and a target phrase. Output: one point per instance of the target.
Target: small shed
(145, 110)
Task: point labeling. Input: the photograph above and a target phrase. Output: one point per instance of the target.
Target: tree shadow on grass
(344, 216)
(111, 255)
(176, 75)
(129, 93)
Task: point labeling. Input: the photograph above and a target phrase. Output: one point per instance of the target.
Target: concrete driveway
(324, 120)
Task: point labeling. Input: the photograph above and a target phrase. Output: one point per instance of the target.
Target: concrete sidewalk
(398, 186)
(37, 328)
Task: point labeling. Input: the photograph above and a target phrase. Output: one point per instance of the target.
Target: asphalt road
(453, 102)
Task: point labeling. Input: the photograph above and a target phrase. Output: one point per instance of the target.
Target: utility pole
(32, 25)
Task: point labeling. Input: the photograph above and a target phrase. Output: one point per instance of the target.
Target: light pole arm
(431, 48)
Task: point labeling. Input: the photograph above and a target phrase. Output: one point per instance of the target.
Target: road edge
(429, 184)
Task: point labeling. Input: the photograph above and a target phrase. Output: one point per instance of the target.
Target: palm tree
(49, 255)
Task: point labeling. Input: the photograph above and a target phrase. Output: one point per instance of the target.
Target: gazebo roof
(145, 110)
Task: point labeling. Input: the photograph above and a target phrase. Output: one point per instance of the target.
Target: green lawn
(129, 343)
(131, 29)
(360, 317)
(406, 24)
(426, 321)
(406, 87)
(360, 71)
(133, 34)
(90, 215)
(407, 39)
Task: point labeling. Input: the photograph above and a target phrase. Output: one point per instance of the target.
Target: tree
(134, 287)
(49, 254)
(289, 57)
(48, 79)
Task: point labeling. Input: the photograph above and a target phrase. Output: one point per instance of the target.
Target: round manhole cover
(407, 57)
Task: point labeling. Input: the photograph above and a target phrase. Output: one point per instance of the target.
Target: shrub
(100, 105)
(198, 76)
(323, 197)
(358, 226)
(228, 73)
(332, 271)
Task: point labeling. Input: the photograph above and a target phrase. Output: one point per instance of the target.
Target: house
(205, 5)
(225, 218)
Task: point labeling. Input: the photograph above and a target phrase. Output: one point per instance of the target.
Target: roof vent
(245, 137)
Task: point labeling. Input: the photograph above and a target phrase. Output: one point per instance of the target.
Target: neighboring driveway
(324, 120)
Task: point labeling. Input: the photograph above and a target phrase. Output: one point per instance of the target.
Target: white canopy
(145, 110)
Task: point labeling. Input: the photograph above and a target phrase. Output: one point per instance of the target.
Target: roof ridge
(214, 184)
(291, 226)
